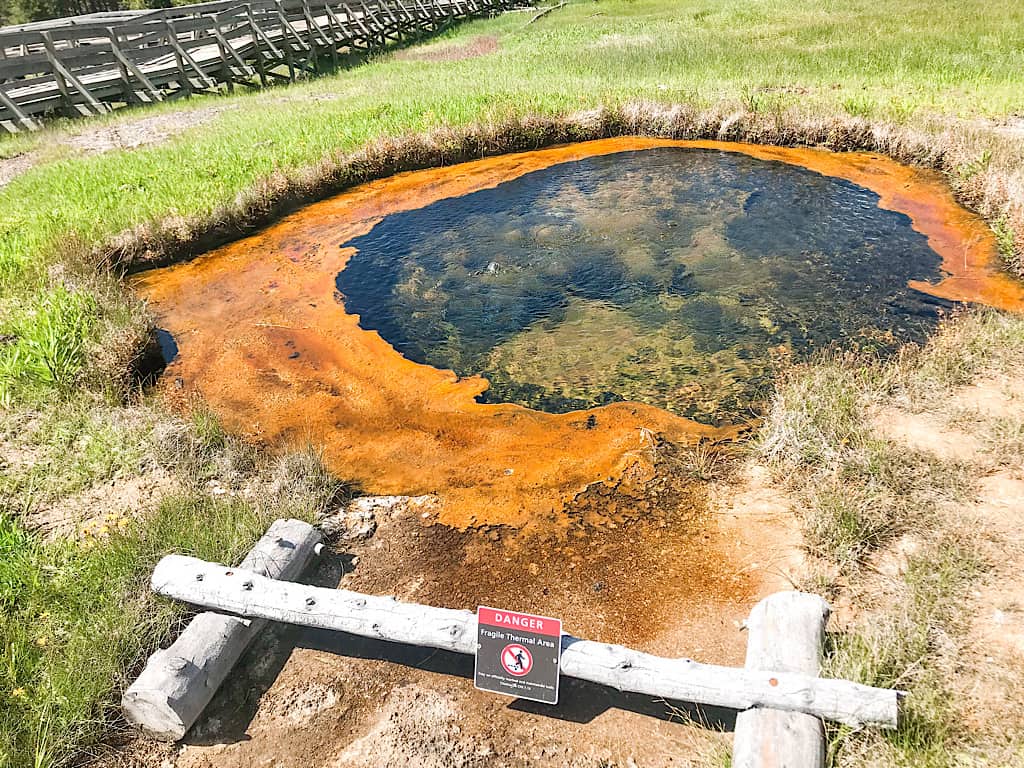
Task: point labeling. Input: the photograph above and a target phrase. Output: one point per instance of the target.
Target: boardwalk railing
(91, 64)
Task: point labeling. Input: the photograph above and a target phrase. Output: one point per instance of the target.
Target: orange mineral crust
(264, 339)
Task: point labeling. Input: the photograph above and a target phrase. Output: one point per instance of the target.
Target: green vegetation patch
(76, 613)
(78, 616)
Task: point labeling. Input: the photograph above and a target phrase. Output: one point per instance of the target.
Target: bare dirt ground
(308, 698)
(481, 45)
(121, 135)
(100, 506)
(12, 167)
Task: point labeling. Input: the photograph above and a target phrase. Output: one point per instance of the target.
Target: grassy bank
(935, 83)
(77, 612)
(897, 527)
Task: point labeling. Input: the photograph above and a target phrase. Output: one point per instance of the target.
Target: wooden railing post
(786, 634)
(23, 120)
(180, 681)
(126, 65)
(257, 46)
(63, 77)
(179, 59)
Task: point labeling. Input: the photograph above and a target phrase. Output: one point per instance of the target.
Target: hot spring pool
(515, 332)
(676, 277)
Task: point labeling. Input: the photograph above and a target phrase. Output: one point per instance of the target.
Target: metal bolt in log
(178, 682)
(786, 633)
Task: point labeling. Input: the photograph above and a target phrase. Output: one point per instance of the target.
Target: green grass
(70, 332)
(858, 493)
(909, 644)
(771, 56)
(78, 614)
(74, 446)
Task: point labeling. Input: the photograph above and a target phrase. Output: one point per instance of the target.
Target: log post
(178, 682)
(786, 633)
(172, 40)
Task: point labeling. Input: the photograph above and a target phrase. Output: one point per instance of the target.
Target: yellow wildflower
(41, 642)
(103, 531)
(18, 693)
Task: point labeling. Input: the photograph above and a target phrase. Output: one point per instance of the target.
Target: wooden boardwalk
(92, 64)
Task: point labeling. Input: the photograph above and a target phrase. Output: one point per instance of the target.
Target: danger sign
(517, 654)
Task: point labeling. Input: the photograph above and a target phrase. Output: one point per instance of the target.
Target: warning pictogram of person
(516, 660)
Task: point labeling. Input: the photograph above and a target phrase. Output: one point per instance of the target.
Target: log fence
(93, 64)
(780, 698)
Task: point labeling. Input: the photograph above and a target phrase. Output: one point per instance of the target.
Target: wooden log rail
(92, 64)
(178, 682)
(248, 594)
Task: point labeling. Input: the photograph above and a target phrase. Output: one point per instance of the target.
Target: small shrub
(859, 105)
(300, 484)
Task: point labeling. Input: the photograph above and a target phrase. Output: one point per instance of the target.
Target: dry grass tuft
(481, 45)
(891, 534)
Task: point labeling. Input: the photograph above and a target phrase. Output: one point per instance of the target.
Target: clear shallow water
(676, 277)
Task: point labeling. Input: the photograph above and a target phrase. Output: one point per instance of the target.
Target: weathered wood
(184, 54)
(383, 618)
(185, 82)
(544, 12)
(127, 65)
(24, 120)
(786, 634)
(178, 682)
(95, 62)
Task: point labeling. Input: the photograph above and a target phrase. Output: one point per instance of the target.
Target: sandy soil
(100, 505)
(11, 167)
(992, 672)
(481, 45)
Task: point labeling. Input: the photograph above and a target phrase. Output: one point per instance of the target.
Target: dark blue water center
(678, 277)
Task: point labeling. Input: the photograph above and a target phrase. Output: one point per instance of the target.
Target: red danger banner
(542, 625)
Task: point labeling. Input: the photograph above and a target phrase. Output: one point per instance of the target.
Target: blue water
(678, 277)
